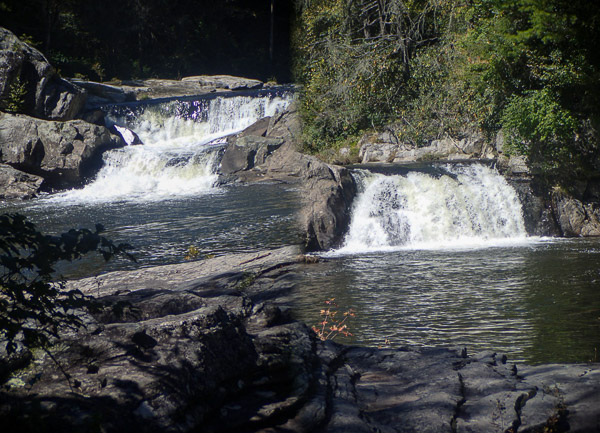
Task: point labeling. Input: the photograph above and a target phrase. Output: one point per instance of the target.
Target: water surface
(538, 303)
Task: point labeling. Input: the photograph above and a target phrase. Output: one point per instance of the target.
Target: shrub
(34, 303)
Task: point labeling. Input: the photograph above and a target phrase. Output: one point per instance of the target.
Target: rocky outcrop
(386, 147)
(46, 95)
(439, 390)
(327, 212)
(270, 154)
(199, 346)
(248, 152)
(138, 90)
(17, 184)
(228, 82)
(63, 153)
(575, 217)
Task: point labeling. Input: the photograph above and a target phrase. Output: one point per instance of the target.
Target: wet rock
(62, 152)
(330, 192)
(129, 137)
(46, 95)
(576, 218)
(248, 152)
(17, 184)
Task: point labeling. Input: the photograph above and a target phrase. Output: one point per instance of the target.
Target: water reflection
(539, 303)
(230, 220)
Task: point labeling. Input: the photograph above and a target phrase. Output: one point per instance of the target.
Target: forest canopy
(530, 68)
(124, 39)
(422, 68)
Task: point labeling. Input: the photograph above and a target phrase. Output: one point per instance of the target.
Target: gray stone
(576, 218)
(247, 152)
(224, 82)
(16, 184)
(61, 152)
(517, 165)
(47, 95)
(129, 137)
(286, 125)
(329, 193)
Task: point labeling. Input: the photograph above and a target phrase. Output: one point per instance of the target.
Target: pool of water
(225, 220)
(538, 301)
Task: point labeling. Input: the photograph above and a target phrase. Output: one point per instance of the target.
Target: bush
(34, 303)
(537, 126)
(15, 100)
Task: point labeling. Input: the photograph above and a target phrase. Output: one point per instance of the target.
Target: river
(435, 255)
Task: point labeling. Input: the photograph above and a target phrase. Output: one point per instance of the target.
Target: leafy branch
(34, 304)
(330, 327)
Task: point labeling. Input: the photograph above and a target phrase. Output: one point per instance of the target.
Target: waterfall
(467, 206)
(178, 156)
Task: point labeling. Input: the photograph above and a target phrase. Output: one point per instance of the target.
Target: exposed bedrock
(63, 153)
(200, 346)
(267, 151)
(28, 80)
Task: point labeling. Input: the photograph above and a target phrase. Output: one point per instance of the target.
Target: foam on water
(468, 207)
(179, 157)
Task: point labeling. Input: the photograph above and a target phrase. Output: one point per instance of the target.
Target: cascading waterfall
(468, 206)
(178, 155)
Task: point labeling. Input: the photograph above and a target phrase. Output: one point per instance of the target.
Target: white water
(178, 157)
(470, 207)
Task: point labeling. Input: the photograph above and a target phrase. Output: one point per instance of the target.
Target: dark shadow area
(157, 38)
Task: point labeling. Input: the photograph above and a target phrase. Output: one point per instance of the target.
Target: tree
(355, 60)
(34, 303)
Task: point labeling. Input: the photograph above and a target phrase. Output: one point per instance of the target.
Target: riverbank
(212, 346)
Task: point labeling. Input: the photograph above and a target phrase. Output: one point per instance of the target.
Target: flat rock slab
(183, 275)
(439, 390)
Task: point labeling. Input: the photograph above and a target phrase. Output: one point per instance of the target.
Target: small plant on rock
(332, 326)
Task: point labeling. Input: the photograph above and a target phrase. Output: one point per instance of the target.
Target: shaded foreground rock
(61, 152)
(200, 347)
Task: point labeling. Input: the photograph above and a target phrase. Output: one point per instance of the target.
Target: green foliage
(15, 100)
(354, 62)
(427, 69)
(537, 123)
(34, 304)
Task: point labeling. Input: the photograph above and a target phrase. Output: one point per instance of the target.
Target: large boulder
(64, 153)
(330, 191)
(17, 184)
(248, 152)
(574, 217)
(46, 95)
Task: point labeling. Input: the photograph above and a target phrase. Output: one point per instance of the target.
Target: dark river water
(537, 303)
(432, 257)
(225, 220)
